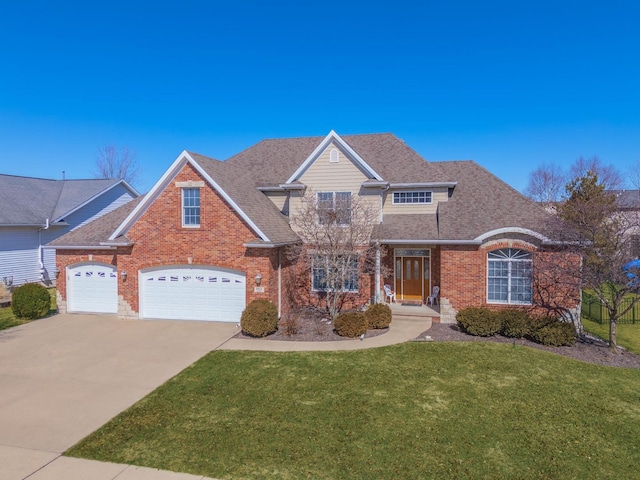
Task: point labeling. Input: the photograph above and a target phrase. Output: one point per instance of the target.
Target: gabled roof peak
(333, 137)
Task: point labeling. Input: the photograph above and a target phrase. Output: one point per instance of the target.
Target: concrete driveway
(63, 377)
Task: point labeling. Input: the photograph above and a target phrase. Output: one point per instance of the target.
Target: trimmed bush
(553, 332)
(259, 319)
(31, 301)
(351, 324)
(478, 321)
(515, 323)
(378, 315)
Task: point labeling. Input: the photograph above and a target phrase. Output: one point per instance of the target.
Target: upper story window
(420, 196)
(334, 208)
(190, 207)
(510, 276)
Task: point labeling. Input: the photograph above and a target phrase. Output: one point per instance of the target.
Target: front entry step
(417, 311)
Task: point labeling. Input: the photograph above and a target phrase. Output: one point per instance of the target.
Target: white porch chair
(390, 294)
(433, 298)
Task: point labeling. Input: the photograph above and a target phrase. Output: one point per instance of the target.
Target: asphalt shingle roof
(240, 186)
(96, 233)
(479, 203)
(31, 201)
(627, 199)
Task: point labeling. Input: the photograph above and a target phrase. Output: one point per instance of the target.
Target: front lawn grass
(417, 410)
(628, 335)
(8, 319)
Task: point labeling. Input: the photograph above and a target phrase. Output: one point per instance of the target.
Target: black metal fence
(594, 310)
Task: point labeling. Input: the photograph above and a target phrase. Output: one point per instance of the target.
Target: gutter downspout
(41, 250)
(279, 283)
(377, 296)
(378, 279)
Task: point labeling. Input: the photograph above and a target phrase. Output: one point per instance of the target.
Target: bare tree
(114, 162)
(546, 184)
(335, 228)
(590, 225)
(634, 175)
(608, 176)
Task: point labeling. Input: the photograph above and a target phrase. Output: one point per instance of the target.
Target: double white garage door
(177, 293)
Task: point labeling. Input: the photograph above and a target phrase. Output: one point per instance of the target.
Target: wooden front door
(412, 277)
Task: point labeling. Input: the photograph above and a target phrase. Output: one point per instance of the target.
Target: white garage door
(92, 288)
(192, 293)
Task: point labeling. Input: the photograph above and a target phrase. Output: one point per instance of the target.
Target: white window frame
(187, 214)
(412, 197)
(341, 220)
(514, 262)
(354, 282)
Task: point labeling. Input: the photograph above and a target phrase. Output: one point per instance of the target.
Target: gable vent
(334, 155)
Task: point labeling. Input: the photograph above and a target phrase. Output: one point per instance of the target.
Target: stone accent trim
(447, 312)
(125, 312)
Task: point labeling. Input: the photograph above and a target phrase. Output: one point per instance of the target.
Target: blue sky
(510, 85)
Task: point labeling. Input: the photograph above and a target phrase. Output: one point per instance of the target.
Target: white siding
(19, 254)
(105, 203)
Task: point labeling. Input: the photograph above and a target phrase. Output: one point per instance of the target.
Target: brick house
(211, 236)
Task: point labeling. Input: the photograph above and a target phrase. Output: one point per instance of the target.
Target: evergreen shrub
(31, 301)
(259, 319)
(351, 324)
(515, 323)
(378, 315)
(553, 332)
(479, 321)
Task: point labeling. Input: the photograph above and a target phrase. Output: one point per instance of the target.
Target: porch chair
(390, 294)
(433, 298)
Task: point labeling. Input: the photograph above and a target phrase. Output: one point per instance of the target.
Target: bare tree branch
(546, 184)
(335, 228)
(608, 175)
(117, 163)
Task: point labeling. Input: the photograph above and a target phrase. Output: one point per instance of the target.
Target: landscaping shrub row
(260, 319)
(516, 323)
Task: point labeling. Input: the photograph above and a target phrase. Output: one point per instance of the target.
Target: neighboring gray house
(629, 206)
(35, 211)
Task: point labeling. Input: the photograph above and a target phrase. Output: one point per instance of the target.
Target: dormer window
(415, 197)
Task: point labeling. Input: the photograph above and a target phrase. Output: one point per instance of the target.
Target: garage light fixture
(123, 275)
(258, 279)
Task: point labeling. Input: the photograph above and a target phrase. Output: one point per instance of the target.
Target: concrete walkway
(63, 377)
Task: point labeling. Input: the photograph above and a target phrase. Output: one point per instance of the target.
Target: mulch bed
(587, 349)
(313, 325)
(309, 325)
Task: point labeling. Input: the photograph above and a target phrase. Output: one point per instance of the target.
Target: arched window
(510, 276)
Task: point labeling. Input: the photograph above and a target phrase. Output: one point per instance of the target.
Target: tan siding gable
(437, 195)
(280, 200)
(341, 176)
(323, 175)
